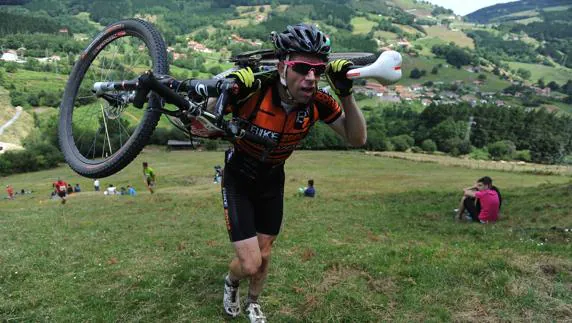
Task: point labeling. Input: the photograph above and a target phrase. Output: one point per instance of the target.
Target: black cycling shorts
(253, 206)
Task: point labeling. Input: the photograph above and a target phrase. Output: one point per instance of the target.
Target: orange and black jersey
(264, 115)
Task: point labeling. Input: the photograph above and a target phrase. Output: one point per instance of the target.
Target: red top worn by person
(489, 205)
(60, 187)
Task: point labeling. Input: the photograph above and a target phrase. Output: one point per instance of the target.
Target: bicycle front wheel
(100, 135)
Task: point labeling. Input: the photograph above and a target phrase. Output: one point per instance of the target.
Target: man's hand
(244, 76)
(336, 76)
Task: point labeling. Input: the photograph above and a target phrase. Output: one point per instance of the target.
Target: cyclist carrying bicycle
(280, 106)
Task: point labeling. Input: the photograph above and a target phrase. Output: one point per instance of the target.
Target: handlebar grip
(141, 96)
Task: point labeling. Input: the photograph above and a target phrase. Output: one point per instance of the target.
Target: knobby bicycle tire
(108, 165)
(360, 59)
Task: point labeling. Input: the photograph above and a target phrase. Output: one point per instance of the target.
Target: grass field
(559, 75)
(447, 35)
(362, 25)
(19, 129)
(446, 74)
(35, 82)
(377, 244)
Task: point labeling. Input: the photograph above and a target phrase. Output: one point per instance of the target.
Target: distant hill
(513, 10)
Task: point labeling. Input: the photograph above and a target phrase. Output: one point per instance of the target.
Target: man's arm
(469, 192)
(351, 124)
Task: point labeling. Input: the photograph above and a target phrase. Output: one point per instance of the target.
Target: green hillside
(515, 10)
(440, 51)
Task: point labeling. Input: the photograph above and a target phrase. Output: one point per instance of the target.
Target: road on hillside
(11, 121)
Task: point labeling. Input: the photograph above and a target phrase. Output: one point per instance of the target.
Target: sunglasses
(304, 68)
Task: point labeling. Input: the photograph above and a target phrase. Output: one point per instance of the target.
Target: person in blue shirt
(310, 191)
(76, 189)
(131, 191)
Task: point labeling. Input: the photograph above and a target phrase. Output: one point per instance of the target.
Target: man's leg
(244, 265)
(257, 280)
(470, 206)
(247, 261)
(461, 208)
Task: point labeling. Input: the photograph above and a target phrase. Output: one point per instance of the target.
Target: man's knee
(251, 265)
(266, 247)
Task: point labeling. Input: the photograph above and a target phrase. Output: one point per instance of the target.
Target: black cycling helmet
(301, 38)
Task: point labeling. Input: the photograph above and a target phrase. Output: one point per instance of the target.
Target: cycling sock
(251, 299)
(230, 282)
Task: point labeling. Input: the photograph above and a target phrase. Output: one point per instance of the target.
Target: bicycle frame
(192, 112)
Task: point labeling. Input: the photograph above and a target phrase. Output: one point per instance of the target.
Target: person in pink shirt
(482, 202)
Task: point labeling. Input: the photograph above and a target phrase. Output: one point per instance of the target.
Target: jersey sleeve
(328, 108)
(479, 194)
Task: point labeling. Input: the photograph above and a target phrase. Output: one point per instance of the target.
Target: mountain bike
(120, 87)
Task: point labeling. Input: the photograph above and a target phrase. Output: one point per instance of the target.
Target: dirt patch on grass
(339, 273)
(474, 311)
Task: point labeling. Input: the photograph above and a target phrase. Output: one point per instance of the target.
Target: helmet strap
(283, 73)
(283, 80)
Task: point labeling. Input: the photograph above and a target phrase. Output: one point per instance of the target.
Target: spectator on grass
(10, 192)
(308, 191)
(96, 185)
(111, 190)
(76, 189)
(481, 202)
(60, 188)
(131, 191)
(69, 189)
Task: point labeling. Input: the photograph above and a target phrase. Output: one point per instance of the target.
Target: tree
(415, 73)
(435, 70)
(482, 77)
(524, 73)
(553, 86)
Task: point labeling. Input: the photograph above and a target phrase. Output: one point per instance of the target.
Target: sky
(463, 7)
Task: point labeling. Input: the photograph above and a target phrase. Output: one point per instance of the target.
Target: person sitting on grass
(131, 191)
(482, 202)
(111, 190)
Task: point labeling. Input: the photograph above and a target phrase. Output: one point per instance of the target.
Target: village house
(426, 102)
(11, 56)
(239, 39)
(198, 47)
(51, 59)
(471, 99)
(539, 91)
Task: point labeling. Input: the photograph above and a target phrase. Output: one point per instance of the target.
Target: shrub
(429, 145)
(523, 155)
(503, 149)
(35, 157)
(480, 154)
(402, 142)
(11, 68)
(211, 144)
(416, 149)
